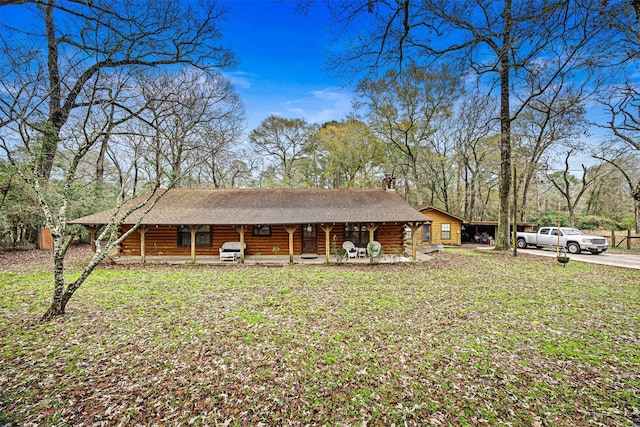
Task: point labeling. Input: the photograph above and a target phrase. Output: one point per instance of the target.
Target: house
(265, 221)
(444, 228)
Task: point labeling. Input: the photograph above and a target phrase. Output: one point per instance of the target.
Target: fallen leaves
(444, 343)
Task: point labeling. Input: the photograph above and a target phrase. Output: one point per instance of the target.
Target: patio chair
(352, 251)
(375, 249)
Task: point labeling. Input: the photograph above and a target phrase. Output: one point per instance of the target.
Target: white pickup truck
(575, 241)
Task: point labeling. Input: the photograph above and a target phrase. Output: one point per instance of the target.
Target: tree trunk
(100, 162)
(504, 192)
(52, 127)
(637, 212)
(470, 210)
(525, 190)
(418, 182)
(636, 198)
(58, 302)
(570, 208)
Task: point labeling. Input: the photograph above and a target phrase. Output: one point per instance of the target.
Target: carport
(491, 228)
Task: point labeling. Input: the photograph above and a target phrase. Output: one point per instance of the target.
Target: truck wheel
(521, 244)
(573, 248)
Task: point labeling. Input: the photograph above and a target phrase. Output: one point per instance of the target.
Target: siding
(440, 218)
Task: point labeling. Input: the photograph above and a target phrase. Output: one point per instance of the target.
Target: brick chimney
(389, 182)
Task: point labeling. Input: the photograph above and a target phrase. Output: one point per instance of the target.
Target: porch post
(372, 228)
(327, 229)
(93, 230)
(193, 229)
(291, 229)
(143, 246)
(241, 230)
(414, 226)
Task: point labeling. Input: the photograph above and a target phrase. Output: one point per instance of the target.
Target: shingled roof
(428, 208)
(267, 207)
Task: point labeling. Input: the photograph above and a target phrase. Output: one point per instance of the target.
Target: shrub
(628, 221)
(590, 222)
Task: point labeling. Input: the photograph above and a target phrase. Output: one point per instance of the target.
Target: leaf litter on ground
(467, 339)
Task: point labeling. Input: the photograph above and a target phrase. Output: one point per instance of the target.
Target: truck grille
(599, 241)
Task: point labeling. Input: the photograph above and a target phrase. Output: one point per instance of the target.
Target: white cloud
(321, 105)
(240, 79)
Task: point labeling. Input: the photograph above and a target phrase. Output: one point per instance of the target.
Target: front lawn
(472, 338)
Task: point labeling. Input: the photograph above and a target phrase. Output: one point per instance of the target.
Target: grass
(470, 339)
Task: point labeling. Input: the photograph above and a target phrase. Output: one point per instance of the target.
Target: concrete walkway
(264, 259)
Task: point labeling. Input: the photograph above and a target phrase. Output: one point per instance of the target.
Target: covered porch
(308, 259)
(295, 225)
(298, 243)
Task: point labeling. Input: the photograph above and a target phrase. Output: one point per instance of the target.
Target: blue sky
(282, 61)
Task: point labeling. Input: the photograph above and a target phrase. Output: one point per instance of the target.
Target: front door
(309, 239)
(426, 233)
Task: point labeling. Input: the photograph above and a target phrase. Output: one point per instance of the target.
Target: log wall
(163, 240)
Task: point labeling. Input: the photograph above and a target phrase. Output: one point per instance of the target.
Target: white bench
(230, 251)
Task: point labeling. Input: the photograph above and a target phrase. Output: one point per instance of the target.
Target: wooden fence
(624, 240)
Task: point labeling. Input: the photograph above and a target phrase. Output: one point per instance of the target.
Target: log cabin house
(266, 221)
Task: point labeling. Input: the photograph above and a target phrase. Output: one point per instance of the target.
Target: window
(309, 231)
(357, 233)
(203, 236)
(446, 231)
(262, 230)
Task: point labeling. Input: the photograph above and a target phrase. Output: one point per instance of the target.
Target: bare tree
(626, 20)
(626, 163)
(439, 167)
(556, 117)
(53, 198)
(404, 108)
(222, 158)
(572, 188)
(128, 34)
(475, 152)
(623, 107)
(192, 114)
(503, 43)
(57, 77)
(284, 140)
